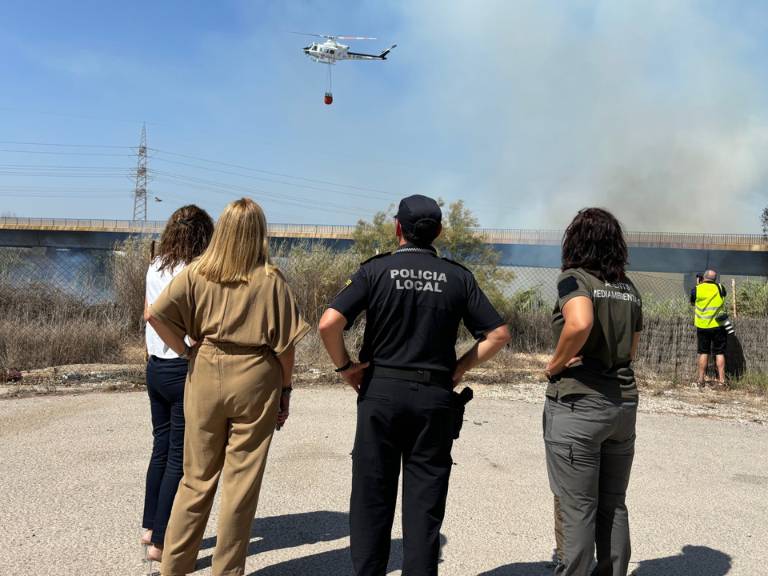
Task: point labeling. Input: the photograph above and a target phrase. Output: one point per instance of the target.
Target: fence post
(733, 295)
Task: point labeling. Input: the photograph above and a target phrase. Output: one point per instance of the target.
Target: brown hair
(595, 241)
(239, 245)
(185, 237)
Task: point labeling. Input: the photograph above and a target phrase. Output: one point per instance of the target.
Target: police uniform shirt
(414, 303)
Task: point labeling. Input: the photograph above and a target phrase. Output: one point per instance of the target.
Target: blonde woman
(240, 310)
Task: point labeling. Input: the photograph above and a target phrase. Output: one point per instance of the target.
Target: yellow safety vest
(709, 305)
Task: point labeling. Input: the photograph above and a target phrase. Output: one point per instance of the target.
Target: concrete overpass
(732, 254)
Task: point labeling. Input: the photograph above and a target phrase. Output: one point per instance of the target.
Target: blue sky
(527, 110)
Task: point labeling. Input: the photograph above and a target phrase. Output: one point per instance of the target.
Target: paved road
(71, 489)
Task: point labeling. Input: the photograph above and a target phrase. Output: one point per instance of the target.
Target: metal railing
(750, 242)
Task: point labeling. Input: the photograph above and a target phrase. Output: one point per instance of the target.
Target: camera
(726, 323)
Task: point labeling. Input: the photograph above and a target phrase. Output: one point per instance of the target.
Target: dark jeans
(590, 445)
(165, 385)
(410, 422)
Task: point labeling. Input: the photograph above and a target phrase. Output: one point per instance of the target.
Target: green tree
(459, 241)
(376, 236)
(764, 221)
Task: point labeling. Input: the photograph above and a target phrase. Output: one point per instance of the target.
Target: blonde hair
(239, 245)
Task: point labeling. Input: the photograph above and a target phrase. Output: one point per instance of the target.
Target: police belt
(438, 377)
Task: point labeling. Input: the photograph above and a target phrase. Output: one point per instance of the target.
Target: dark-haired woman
(185, 237)
(591, 406)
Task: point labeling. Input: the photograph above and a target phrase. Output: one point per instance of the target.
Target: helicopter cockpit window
(332, 51)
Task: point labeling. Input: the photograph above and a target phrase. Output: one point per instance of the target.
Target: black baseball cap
(420, 215)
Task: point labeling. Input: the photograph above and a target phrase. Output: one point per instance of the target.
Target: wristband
(346, 366)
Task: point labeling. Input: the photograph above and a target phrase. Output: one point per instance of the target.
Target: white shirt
(156, 283)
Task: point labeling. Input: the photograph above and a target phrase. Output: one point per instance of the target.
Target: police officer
(708, 299)
(406, 411)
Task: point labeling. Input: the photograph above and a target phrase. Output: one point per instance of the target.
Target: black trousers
(165, 386)
(410, 422)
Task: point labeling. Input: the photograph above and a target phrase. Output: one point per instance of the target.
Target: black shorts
(712, 340)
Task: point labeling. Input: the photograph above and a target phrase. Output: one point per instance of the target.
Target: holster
(460, 401)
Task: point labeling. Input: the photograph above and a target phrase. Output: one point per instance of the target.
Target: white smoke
(648, 108)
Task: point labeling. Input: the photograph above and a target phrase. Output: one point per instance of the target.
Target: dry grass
(41, 325)
(55, 341)
(128, 270)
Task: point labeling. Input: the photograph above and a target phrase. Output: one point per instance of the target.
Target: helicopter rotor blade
(310, 34)
(354, 38)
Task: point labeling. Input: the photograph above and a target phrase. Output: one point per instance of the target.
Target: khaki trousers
(231, 402)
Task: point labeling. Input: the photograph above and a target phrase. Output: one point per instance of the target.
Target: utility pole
(140, 192)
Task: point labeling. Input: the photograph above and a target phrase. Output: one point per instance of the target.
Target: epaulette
(459, 264)
(375, 256)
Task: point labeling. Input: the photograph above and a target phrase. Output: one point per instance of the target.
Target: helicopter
(330, 51)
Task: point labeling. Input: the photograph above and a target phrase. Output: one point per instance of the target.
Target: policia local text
(420, 280)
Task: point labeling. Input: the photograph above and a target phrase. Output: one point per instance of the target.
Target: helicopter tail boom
(361, 56)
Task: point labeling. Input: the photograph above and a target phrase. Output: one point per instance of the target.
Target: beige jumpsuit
(231, 401)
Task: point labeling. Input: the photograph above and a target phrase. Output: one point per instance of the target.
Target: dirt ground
(73, 469)
(520, 379)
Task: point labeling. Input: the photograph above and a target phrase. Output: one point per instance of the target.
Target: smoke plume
(651, 109)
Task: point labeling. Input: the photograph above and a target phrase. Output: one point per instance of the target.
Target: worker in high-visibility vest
(708, 300)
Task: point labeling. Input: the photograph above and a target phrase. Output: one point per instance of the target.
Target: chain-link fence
(85, 306)
(69, 306)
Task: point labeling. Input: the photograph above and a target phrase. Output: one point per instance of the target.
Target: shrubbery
(41, 325)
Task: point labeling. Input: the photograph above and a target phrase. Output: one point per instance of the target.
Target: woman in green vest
(591, 405)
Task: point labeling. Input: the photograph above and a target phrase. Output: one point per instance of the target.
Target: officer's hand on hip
(458, 374)
(354, 375)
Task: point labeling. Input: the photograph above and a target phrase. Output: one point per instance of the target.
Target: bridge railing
(672, 239)
(80, 224)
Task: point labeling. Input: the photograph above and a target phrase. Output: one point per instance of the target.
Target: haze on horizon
(526, 110)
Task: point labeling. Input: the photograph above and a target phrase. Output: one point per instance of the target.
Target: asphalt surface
(72, 471)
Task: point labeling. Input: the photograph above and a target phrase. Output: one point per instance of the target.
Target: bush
(752, 299)
(128, 270)
(315, 273)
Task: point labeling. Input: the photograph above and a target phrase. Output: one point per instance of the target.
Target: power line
(268, 172)
(59, 153)
(263, 179)
(61, 166)
(64, 196)
(52, 144)
(64, 174)
(316, 181)
(235, 190)
(15, 188)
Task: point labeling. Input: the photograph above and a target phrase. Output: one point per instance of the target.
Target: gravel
(73, 470)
